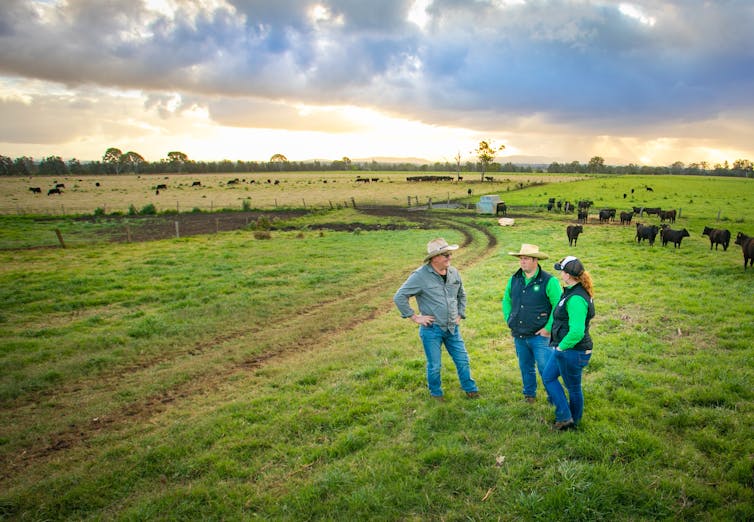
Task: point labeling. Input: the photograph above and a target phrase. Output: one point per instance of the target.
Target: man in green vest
(528, 301)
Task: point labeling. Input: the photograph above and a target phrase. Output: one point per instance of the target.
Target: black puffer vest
(530, 307)
(560, 318)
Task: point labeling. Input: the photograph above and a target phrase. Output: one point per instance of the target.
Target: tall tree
(133, 160)
(6, 166)
(279, 159)
(178, 159)
(486, 153)
(113, 157)
(457, 157)
(596, 164)
(53, 166)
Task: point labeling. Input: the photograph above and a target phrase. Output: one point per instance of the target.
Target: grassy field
(84, 195)
(223, 377)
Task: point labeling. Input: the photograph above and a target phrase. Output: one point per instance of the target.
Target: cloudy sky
(643, 81)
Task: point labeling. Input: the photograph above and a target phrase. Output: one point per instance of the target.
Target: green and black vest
(530, 306)
(560, 318)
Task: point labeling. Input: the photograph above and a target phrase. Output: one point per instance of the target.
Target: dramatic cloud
(637, 81)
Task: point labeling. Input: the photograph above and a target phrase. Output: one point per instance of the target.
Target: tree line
(115, 162)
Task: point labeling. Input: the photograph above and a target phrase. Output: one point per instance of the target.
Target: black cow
(652, 210)
(747, 246)
(606, 214)
(668, 214)
(501, 208)
(36, 190)
(162, 187)
(648, 232)
(717, 236)
(550, 204)
(196, 184)
(625, 218)
(582, 216)
(675, 236)
(60, 185)
(573, 232)
(53, 191)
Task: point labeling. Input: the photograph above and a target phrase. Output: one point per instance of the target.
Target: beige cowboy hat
(530, 251)
(438, 246)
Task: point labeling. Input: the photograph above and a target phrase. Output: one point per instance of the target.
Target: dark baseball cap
(570, 265)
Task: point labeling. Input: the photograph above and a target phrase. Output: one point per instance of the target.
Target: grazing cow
(162, 186)
(668, 214)
(582, 216)
(717, 236)
(637, 210)
(625, 218)
(550, 204)
(501, 208)
(675, 236)
(747, 246)
(36, 190)
(567, 207)
(650, 189)
(53, 191)
(573, 232)
(196, 184)
(60, 185)
(648, 232)
(606, 214)
(652, 210)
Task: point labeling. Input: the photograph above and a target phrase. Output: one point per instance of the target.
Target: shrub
(149, 209)
(262, 234)
(263, 223)
(246, 205)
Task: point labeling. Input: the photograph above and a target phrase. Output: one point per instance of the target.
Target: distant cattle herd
(644, 231)
(649, 232)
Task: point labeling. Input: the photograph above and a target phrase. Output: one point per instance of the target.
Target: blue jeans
(567, 364)
(531, 350)
(433, 337)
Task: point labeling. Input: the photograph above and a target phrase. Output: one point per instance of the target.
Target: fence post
(217, 225)
(60, 237)
(128, 233)
(353, 202)
(177, 231)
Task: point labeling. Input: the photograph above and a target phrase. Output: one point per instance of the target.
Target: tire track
(281, 344)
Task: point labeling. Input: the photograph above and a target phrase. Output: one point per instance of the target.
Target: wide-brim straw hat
(530, 251)
(438, 246)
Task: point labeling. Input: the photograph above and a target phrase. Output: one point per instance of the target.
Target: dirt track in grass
(207, 353)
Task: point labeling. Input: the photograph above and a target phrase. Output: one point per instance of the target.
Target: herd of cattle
(649, 232)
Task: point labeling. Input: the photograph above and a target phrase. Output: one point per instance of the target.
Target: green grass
(226, 378)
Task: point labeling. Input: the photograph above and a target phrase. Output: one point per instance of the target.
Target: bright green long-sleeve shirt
(577, 308)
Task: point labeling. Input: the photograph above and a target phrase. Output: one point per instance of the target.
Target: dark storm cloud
(596, 64)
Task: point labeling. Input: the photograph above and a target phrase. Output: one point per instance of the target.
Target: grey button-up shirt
(445, 300)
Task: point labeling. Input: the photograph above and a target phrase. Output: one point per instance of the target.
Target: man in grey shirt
(441, 299)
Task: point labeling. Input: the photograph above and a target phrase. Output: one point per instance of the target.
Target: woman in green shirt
(572, 343)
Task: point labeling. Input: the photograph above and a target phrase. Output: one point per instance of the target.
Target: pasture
(85, 194)
(224, 377)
